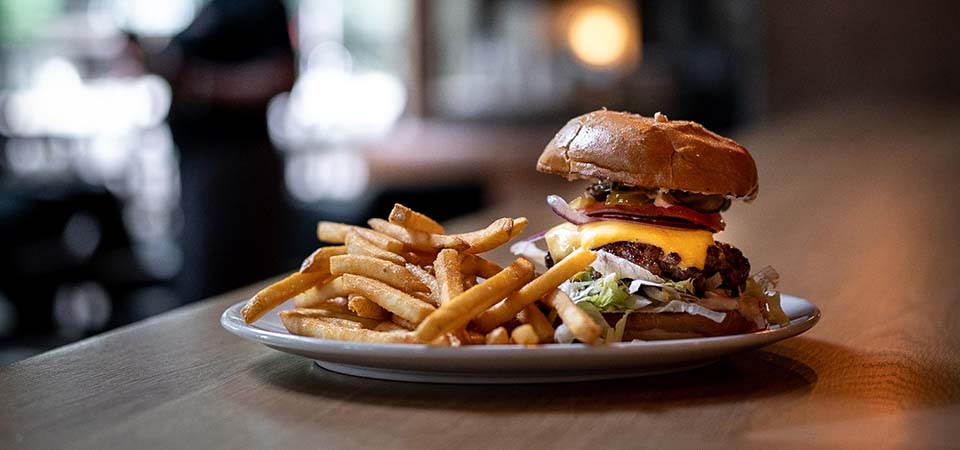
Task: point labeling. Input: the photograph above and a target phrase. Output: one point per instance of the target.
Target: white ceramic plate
(510, 363)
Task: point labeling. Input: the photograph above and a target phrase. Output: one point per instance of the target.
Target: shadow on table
(751, 375)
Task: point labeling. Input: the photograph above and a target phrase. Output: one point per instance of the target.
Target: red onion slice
(564, 210)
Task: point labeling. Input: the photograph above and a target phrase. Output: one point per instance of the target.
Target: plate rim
(232, 321)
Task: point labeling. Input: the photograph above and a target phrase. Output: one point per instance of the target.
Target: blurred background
(155, 153)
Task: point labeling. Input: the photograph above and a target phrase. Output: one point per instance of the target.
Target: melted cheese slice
(691, 245)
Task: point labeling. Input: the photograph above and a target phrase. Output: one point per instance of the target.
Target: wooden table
(857, 210)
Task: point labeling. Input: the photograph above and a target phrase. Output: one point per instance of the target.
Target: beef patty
(728, 261)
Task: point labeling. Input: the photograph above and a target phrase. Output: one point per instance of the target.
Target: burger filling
(725, 268)
(656, 255)
(634, 278)
(612, 193)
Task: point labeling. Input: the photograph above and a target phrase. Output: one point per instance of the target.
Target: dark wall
(819, 49)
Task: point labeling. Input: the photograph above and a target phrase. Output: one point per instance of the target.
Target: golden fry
(316, 296)
(388, 298)
(323, 328)
(458, 312)
(332, 232)
(403, 323)
(449, 278)
(489, 238)
(518, 225)
(363, 307)
(336, 233)
(408, 218)
(584, 328)
(426, 297)
(497, 336)
(417, 240)
(390, 327)
(357, 245)
(319, 261)
(311, 298)
(277, 293)
(560, 272)
(377, 269)
(477, 265)
(534, 317)
(419, 258)
(359, 322)
(470, 337)
(525, 335)
(379, 239)
(429, 281)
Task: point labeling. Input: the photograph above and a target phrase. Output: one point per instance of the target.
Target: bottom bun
(657, 334)
(651, 326)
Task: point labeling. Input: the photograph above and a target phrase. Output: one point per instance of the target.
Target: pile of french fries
(404, 280)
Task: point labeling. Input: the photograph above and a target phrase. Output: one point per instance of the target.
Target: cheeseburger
(657, 189)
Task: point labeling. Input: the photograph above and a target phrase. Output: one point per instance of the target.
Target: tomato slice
(671, 216)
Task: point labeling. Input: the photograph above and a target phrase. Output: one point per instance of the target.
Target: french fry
(403, 323)
(379, 239)
(336, 233)
(497, 336)
(477, 265)
(377, 269)
(311, 298)
(417, 240)
(469, 281)
(470, 337)
(388, 298)
(560, 272)
(532, 316)
(277, 293)
(525, 335)
(450, 282)
(426, 297)
(449, 278)
(444, 340)
(518, 225)
(332, 232)
(363, 307)
(319, 261)
(389, 327)
(580, 324)
(357, 245)
(429, 280)
(359, 322)
(419, 258)
(318, 295)
(323, 328)
(458, 312)
(493, 236)
(408, 218)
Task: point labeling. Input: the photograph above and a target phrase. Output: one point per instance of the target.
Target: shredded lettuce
(763, 284)
(685, 286)
(619, 328)
(679, 306)
(530, 250)
(606, 293)
(614, 285)
(607, 263)
(563, 335)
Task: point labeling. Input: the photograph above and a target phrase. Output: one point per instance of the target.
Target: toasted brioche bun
(652, 326)
(641, 151)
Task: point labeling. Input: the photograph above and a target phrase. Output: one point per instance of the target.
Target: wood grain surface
(857, 211)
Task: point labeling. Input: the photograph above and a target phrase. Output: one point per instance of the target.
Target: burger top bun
(650, 152)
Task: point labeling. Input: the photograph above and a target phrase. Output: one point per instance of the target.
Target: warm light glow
(599, 35)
